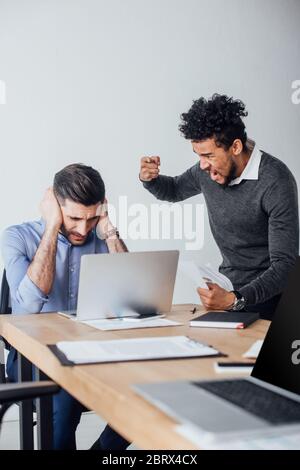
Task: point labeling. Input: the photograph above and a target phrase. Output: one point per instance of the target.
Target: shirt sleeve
(25, 295)
(177, 188)
(281, 205)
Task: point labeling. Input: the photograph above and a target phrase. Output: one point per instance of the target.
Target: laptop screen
(278, 362)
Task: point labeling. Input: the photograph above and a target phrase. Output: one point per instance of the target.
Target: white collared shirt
(250, 171)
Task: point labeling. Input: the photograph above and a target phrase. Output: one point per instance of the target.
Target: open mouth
(214, 174)
(78, 237)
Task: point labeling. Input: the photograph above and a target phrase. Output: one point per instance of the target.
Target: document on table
(124, 324)
(134, 349)
(200, 274)
(254, 350)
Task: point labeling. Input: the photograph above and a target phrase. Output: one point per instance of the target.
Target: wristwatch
(239, 303)
(108, 234)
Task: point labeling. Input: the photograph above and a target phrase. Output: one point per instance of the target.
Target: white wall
(104, 82)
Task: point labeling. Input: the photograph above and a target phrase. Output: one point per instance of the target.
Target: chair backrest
(4, 309)
(10, 393)
(4, 295)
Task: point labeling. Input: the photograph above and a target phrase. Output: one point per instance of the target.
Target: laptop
(114, 285)
(265, 403)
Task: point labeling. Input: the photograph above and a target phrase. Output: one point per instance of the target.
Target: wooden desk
(105, 388)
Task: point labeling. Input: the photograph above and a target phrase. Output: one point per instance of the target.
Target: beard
(231, 176)
(67, 235)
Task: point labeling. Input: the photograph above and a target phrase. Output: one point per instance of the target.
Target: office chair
(4, 309)
(10, 393)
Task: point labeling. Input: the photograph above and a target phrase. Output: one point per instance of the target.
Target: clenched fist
(149, 168)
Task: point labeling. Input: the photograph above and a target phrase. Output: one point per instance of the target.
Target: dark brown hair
(79, 183)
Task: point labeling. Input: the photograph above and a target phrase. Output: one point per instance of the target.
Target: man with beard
(42, 261)
(251, 199)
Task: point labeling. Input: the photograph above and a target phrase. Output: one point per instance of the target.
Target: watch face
(240, 304)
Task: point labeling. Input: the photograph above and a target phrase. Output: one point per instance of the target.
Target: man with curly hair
(251, 199)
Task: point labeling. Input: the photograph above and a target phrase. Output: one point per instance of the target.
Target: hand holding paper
(198, 274)
(213, 287)
(216, 298)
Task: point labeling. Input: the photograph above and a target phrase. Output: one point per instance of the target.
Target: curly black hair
(219, 117)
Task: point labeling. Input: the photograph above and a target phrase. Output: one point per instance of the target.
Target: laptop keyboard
(265, 404)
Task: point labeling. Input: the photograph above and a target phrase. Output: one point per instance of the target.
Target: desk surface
(105, 388)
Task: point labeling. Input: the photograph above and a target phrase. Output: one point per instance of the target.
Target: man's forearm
(162, 188)
(106, 230)
(177, 188)
(116, 245)
(269, 284)
(42, 268)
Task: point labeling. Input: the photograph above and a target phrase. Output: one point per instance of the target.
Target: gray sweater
(255, 223)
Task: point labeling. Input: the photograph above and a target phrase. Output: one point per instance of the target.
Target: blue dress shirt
(19, 245)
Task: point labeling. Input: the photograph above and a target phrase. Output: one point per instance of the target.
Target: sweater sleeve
(177, 188)
(281, 204)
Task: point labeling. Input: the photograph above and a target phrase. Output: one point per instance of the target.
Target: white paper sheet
(254, 350)
(81, 352)
(123, 324)
(198, 274)
(287, 442)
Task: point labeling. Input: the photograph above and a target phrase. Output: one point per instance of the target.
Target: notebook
(225, 319)
(133, 349)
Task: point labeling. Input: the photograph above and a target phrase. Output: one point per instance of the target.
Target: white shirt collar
(250, 171)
